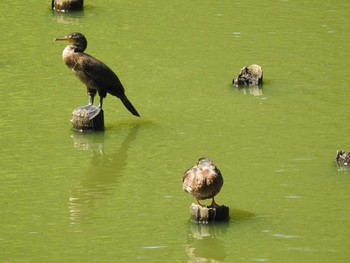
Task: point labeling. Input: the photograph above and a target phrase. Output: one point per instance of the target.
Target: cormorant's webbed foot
(91, 100)
(100, 105)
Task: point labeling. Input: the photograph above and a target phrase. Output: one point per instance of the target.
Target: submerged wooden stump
(249, 76)
(342, 159)
(88, 118)
(205, 214)
(67, 5)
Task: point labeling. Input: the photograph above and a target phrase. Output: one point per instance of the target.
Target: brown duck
(203, 180)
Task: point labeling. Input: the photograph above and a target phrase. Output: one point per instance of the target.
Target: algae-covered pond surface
(116, 196)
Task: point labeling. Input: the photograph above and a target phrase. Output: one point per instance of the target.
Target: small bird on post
(97, 76)
(203, 181)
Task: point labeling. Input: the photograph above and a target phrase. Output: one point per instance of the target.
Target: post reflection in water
(101, 177)
(254, 90)
(68, 18)
(204, 243)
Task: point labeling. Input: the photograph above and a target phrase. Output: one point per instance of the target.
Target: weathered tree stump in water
(67, 5)
(205, 214)
(88, 118)
(342, 159)
(249, 76)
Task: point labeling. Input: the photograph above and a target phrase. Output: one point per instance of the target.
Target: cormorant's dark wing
(102, 77)
(106, 81)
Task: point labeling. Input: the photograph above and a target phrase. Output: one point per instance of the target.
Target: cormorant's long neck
(79, 48)
(70, 55)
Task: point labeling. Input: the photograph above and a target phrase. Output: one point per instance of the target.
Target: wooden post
(88, 118)
(67, 5)
(206, 214)
(249, 76)
(342, 160)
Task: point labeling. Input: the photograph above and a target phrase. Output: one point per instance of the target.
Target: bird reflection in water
(102, 176)
(204, 243)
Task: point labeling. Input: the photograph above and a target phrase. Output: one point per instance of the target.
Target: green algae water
(116, 196)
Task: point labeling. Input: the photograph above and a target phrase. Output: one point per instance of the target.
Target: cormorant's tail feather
(129, 106)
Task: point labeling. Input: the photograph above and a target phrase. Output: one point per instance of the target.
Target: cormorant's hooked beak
(65, 38)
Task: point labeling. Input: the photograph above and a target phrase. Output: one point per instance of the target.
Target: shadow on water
(238, 215)
(205, 242)
(103, 174)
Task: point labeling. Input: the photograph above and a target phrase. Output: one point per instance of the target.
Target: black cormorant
(97, 76)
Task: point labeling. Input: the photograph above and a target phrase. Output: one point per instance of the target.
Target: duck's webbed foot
(199, 202)
(213, 204)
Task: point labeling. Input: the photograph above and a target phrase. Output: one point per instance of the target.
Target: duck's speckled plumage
(203, 180)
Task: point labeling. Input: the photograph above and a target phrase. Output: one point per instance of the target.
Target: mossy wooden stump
(88, 118)
(67, 5)
(342, 160)
(249, 76)
(206, 214)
